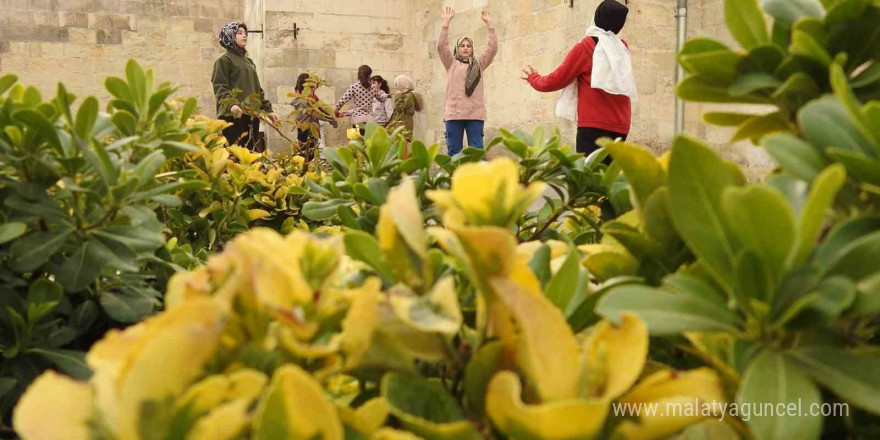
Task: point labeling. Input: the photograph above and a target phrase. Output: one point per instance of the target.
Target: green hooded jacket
(235, 70)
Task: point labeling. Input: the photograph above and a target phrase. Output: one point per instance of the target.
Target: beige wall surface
(79, 42)
(82, 41)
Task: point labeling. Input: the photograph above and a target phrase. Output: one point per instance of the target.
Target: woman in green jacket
(235, 70)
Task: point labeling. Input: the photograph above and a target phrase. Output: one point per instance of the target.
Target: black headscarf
(611, 16)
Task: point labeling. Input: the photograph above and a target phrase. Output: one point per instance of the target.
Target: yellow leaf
(295, 407)
(569, 419)
(306, 350)
(373, 413)
(352, 134)
(244, 155)
(54, 407)
(226, 422)
(438, 312)
(394, 434)
(681, 398)
(617, 354)
(256, 214)
(404, 210)
(153, 360)
(487, 193)
(547, 351)
(491, 251)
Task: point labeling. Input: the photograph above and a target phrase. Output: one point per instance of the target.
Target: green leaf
(697, 179)
(746, 22)
(844, 11)
(700, 45)
(137, 82)
(867, 302)
(322, 210)
(756, 128)
(183, 185)
(760, 217)
(835, 295)
(843, 235)
(479, 371)
(852, 377)
(564, 285)
(174, 149)
(425, 408)
(773, 378)
(795, 156)
(80, 269)
(797, 90)
(364, 247)
(805, 45)
(86, 117)
(43, 291)
(540, 265)
(189, 107)
(844, 94)
(6, 81)
(716, 67)
(131, 305)
(83, 316)
(139, 239)
(11, 231)
(725, 119)
(146, 168)
(158, 99)
(859, 259)
(38, 123)
(30, 252)
(118, 88)
(68, 361)
(696, 89)
(752, 281)
(826, 123)
(753, 82)
(762, 59)
(668, 313)
(790, 11)
(859, 167)
(641, 168)
(867, 77)
(813, 218)
(125, 122)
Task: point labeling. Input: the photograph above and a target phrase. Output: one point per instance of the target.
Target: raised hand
(447, 15)
(487, 17)
(528, 72)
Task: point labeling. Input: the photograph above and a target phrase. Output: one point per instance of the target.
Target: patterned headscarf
(227, 35)
(474, 72)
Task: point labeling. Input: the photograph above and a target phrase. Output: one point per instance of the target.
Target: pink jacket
(458, 105)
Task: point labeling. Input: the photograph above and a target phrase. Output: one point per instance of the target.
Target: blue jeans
(455, 133)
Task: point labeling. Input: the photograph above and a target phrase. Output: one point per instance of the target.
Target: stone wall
(334, 38)
(540, 33)
(80, 42)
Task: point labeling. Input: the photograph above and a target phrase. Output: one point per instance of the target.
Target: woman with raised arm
(465, 105)
(598, 77)
(235, 70)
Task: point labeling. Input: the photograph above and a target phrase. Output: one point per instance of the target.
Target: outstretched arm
(563, 75)
(492, 45)
(443, 38)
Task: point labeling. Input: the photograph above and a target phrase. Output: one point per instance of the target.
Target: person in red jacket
(597, 73)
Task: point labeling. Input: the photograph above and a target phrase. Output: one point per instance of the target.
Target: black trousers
(244, 131)
(587, 137)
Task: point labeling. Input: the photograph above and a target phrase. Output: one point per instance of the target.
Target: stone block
(204, 25)
(390, 42)
(74, 19)
(105, 36)
(111, 22)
